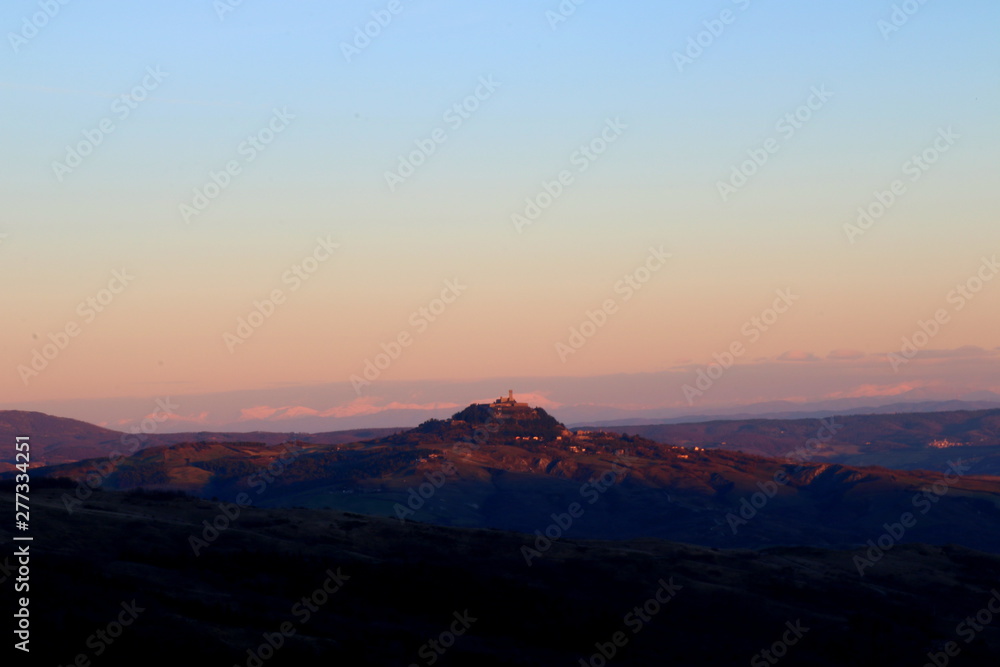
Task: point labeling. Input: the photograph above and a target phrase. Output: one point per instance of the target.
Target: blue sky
(656, 185)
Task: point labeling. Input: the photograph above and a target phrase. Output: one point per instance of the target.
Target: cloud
(157, 417)
(200, 418)
(366, 405)
(876, 390)
(964, 352)
(396, 405)
(259, 412)
(798, 355)
(840, 355)
(944, 375)
(298, 411)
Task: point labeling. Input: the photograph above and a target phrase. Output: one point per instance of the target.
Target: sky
(344, 209)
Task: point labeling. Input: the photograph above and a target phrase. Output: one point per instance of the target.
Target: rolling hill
(906, 441)
(519, 471)
(61, 440)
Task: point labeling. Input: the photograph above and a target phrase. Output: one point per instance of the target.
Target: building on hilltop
(520, 421)
(508, 400)
(507, 405)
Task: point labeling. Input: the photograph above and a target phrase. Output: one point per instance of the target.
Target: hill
(512, 469)
(903, 441)
(312, 587)
(61, 440)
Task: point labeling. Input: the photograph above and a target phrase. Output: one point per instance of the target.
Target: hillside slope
(903, 441)
(457, 472)
(398, 587)
(61, 440)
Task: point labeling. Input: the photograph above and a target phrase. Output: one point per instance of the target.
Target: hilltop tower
(508, 403)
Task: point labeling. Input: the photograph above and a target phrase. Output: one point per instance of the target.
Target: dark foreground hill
(133, 577)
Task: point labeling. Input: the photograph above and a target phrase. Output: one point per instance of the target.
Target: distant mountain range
(302, 419)
(788, 410)
(905, 441)
(896, 438)
(294, 411)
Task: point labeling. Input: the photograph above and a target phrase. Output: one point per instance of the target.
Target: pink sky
(801, 380)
